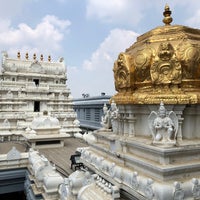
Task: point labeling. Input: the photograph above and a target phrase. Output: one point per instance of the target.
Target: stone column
(179, 133)
(121, 124)
(126, 124)
(179, 109)
(131, 123)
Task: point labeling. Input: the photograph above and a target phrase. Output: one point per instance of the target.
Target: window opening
(36, 82)
(36, 106)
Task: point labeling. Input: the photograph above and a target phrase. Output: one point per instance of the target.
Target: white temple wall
(133, 120)
(191, 122)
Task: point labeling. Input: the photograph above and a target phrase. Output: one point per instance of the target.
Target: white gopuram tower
(30, 87)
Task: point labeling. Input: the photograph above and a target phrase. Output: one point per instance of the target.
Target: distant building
(90, 110)
(28, 87)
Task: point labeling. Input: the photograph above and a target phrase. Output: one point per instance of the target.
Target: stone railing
(41, 87)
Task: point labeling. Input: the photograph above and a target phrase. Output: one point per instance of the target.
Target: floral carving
(166, 68)
(142, 61)
(122, 72)
(189, 56)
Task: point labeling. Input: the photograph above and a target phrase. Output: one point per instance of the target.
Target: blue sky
(89, 34)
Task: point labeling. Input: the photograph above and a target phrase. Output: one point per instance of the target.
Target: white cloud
(115, 11)
(108, 50)
(194, 21)
(96, 75)
(131, 12)
(45, 38)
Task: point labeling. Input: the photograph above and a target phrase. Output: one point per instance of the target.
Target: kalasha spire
(167, 15)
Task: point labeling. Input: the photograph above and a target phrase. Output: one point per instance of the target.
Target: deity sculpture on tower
(114, 116)
(105, 119)
(163, 126)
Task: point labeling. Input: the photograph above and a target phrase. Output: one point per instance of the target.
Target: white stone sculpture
(106, 166)
(105, 120)
(117, 174)
(179, 192)
(114, 116)
(6, 123)
(163, 126)
(89, 137)
(148, 190)
(196, 188)
(130, 178)
(99, 160)
(9, 94)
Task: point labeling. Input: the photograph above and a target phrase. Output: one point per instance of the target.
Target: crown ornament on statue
(162, 109)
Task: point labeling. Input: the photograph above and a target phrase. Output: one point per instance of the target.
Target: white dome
(45, 122)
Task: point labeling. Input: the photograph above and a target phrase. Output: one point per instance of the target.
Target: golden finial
(26, 56)
(49, 58)
(167, 15)
(18, 55)
(41, 57)
(34, 56)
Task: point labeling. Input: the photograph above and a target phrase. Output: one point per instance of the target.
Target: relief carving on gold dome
(162, 65)
(123, 73)
(142, 63)
(166, 68)
(189, 56)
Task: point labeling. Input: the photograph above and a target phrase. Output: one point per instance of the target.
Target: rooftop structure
(151, 151)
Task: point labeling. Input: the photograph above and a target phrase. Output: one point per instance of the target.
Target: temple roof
(33, 65)
(162, 65)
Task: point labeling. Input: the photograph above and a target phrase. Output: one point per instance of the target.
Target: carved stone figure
(179, 192)
(163, 126)
(114, 116)
(9, 94)
(6, 124)
(196, 188)
(105, 120)
(148, 190)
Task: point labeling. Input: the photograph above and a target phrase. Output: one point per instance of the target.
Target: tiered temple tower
(29, 87)
(153, 148)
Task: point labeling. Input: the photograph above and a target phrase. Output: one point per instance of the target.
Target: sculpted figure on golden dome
(142, 63)
(123, 73)
(166, 68)
(189, 56)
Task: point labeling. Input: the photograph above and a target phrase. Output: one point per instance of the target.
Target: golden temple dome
(162, 65)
